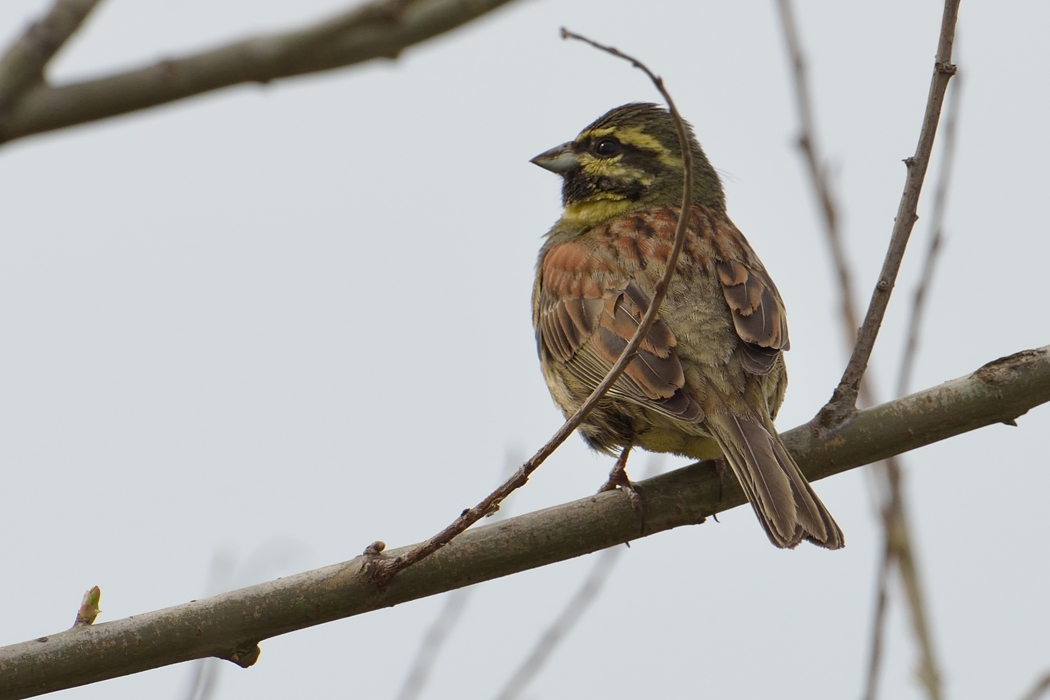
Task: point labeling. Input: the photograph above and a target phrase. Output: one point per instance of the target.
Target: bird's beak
(560, 159)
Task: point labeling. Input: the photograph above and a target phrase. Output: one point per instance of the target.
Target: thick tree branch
(380, 29)
(230, 626)
(23, 64)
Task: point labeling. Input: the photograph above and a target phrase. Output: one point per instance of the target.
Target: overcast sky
(273, 324)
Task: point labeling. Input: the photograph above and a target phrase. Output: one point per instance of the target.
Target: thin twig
(23, 64)
(844, 400)
(940, 201)
(384, 569)
(231, 625)
(379, 29)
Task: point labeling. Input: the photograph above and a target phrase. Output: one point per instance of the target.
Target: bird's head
(628, 159)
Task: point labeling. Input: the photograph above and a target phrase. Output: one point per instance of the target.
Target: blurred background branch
(451, 613)
(380, 29)
(1039, 690)
(570, 615)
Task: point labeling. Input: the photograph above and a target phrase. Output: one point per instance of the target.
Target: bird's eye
(606, 147)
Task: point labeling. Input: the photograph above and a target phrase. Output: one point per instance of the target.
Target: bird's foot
(618, 479)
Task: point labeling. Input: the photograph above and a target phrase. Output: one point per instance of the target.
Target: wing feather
(585, 320)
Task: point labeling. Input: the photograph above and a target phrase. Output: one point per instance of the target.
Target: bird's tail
(783, 500)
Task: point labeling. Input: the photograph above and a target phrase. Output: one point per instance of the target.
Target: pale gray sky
(287, 321)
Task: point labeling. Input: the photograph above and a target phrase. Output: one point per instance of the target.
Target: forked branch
(844, 400)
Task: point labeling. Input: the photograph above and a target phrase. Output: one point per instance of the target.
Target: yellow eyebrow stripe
(636, 137)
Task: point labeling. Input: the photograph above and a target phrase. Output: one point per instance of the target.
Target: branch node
(946, 67)
(245, 655)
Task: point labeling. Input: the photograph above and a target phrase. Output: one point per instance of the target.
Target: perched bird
(709, 376)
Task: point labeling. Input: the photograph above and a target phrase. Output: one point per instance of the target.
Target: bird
(709, 376)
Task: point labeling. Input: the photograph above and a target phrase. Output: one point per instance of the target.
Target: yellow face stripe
(635, 136)
(639, 139)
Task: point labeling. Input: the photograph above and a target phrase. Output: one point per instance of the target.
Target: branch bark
(229, 626)
(380, 29)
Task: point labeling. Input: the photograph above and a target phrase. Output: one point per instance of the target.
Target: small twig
(940, 200)
(384, 569)
(1040, 688)
(23, 64)
(844, 400)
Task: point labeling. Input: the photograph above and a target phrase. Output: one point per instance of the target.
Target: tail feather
(783, 500)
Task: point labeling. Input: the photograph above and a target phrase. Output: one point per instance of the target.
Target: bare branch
(380, 29)
(844, 399)
(229, 626)
(940, 200)
(386, 568)
(23, 64)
